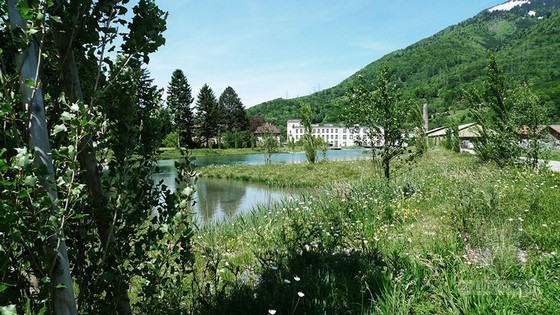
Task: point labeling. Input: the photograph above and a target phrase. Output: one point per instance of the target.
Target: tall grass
(448, 236)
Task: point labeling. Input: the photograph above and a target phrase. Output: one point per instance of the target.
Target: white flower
(520, 219)
(300, 294)
(510, 219)
(297, 278)
(271, 312)
(287, 281)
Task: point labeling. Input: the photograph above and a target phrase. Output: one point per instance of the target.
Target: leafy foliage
(105, 124)
(504, 115)
(384, 113)
(309, 141)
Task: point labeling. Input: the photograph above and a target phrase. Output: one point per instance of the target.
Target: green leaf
(23, 9)
(22, 159)
(8, 310)
(60, 286)
(30, 181)
(66, 116)
(59, 128)
(29, 83)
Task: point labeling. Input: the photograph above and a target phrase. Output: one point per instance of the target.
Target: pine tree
(179, 100)
(207, 114)
(236, 117)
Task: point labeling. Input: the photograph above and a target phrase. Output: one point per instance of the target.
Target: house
(467, 132)
(334, 135)
(267, 129)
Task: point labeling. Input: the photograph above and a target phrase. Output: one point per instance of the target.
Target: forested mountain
(524, 36)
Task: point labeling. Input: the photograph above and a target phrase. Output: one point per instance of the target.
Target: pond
(297, 157)
(218, 199)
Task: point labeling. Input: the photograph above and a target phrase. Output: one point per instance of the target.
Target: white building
(336, 136)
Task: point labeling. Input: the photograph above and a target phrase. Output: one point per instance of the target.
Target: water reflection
(217, 199)
(297, 157)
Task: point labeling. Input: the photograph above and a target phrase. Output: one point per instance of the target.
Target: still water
(298, 157)
(218, 199)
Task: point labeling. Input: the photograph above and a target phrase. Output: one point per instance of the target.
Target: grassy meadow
(446, 236)
(298, 175)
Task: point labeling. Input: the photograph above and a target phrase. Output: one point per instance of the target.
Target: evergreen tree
(207, 114)
(179, 100)
(236, 117)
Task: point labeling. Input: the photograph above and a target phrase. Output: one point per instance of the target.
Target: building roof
(555, 128)
(465, 130)
(437, 132)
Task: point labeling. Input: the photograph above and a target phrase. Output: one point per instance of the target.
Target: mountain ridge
(525, 39)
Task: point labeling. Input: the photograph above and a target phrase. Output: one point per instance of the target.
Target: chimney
(425, 116)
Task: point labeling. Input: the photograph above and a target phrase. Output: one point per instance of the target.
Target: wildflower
(271, 312)
(274, 268)
(287, 281)
(300, 294)
(510, 219)
(544, 225)
(532, 280)
(520, 219)
(522, 256)
(297, 278)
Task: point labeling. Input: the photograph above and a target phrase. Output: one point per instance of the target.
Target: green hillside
(526, 41)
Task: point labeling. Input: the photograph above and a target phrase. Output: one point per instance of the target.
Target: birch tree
(28, 63)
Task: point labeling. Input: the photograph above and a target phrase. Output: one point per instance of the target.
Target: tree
(179, 100)
(383, 112)
(269, 140)
(235, 116)
(493, 111)
(32, 98)
(322, 145)
(255, 122)
(309, 142)
(207, 115)
(531, 114)
(96, 195)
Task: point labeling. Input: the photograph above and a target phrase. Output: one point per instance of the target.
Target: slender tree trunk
(28, 62)
(88, 161)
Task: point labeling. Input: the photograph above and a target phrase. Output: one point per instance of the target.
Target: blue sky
(267, 49)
